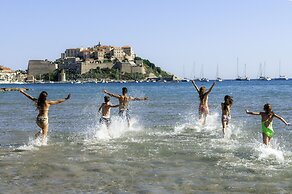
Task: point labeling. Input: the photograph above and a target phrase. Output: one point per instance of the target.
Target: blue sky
(181, 36)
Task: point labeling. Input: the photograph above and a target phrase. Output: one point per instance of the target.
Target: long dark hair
(228, 101)
(42, 99)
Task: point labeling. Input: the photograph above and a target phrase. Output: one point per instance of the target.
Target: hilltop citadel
(100, 62)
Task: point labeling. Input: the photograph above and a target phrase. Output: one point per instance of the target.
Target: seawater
(166, 149)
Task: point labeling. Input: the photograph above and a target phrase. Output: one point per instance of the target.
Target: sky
(185, 37)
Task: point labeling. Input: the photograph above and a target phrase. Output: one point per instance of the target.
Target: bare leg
(204, 118)
(128, 119)
(224, 125)
(45, 133)
(37, 134)
(266, 139)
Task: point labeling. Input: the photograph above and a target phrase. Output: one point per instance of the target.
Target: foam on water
(118, 128)
(33, 144)
(237, 148)
(192, 122)
(270, 152)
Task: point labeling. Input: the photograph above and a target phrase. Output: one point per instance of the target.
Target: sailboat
(203, 79)
(194, 70)
(244, 78)
(281, 77)
(263, 76)
(219, 79)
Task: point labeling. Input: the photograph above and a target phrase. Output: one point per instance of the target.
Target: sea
(165, 150)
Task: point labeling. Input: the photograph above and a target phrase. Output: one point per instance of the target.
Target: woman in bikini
(226, 112)
(43, 105)
(267, 122)
(203, 95)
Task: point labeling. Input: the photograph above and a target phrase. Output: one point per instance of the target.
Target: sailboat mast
(194, 70)
(202, 71)
(265, 68)
(279, 68)
(261, 70)
(237, 66)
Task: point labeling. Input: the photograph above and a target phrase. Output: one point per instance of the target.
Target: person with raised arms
(203, 95)
(43, 105)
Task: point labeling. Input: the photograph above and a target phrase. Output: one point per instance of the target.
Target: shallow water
(166, 149)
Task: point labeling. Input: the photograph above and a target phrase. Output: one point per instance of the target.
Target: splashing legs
(266, 139)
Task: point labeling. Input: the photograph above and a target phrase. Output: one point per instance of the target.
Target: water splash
(270, 152)
(118, 128)
(192, 122)
(33, 144)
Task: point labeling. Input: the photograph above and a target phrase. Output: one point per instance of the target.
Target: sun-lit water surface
(166, 149)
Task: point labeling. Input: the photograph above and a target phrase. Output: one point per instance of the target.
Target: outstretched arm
(114, 106)
(214, 83)
(53, 102)
(281, 118)
(27, 95)
(138, 99)
(195, 86)
(252, 113)
(111, 94)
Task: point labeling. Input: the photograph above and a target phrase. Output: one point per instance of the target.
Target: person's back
(203, 95)
(226, 112)
(43, 105)
(105, 110)
(267, 122)
(225, 109)
(203, 106)
(204, 99)
(43, 109)
(123, 102)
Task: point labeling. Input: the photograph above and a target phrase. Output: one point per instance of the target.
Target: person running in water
(267, 122)
(226, 112)
(105, 110)
(203, 95)
(43, 105)
(124, 102)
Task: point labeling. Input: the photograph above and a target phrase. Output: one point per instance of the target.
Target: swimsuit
(105, 120)
(124, 113)
(203, 109)
(268, 131)
(41, 120)
(225, 118)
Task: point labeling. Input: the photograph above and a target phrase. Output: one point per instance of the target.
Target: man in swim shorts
(124, 102)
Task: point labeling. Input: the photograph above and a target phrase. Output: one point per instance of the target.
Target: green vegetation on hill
(151, 68)
(49, 76)
(115, 74)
